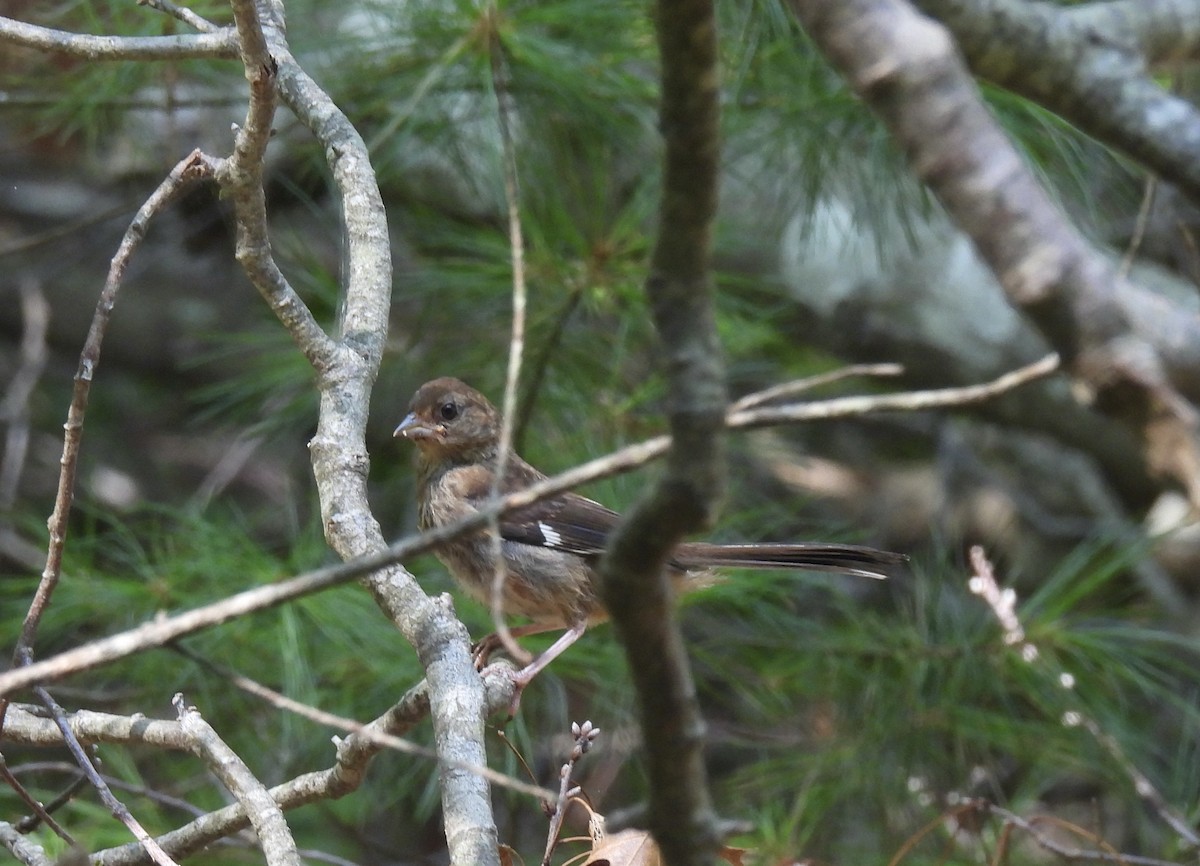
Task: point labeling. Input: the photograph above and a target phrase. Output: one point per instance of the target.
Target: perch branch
(164, 631)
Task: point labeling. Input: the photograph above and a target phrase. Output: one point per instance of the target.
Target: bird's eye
(448, 411)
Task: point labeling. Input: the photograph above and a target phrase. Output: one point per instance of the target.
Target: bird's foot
(482, 649)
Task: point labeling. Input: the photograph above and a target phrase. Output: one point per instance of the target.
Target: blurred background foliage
(844, 716)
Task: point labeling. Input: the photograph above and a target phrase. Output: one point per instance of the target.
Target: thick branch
(345, 374)
(241, 179)
(636, 589)
(1163, 31)
(24, 849)
(905, 66)
(1099, 84)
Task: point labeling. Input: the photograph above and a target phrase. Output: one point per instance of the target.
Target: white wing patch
(550, 534)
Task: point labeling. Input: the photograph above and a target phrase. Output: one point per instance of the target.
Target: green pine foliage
(843, 713)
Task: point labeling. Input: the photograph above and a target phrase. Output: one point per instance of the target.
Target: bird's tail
(812, 556)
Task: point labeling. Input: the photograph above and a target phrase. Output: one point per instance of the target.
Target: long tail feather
(812, 556)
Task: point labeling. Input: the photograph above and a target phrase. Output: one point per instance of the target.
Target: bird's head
(448, 418)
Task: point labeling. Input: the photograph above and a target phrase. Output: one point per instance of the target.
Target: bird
(551, 549)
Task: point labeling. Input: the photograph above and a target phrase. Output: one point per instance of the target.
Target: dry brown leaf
(734, 856)
(637, 848)
(627, 848)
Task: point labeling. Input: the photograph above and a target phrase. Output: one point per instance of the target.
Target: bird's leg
(523, 677)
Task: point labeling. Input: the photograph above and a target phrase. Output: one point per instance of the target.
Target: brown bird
(551, 548)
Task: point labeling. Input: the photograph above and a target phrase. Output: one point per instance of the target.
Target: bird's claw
(482, 649)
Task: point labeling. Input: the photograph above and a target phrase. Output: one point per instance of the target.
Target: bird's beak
(413, 428)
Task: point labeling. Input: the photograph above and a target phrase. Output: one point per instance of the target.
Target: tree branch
(221, 44)
(346, 369)
(26, 851)
(637, 591)
(241, 179)
(274, 835)
(1163, 31)
(184, 173)
(164, 631)
(354, 754)
(904, 65)
(1097, 82)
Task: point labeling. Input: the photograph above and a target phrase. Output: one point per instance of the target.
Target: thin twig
(626, 459)
(1068, 853)
(1144, 209)
(182, 13)
(516, 344)
(1139, 227)
(39, 812)
(30, 822)
(540, 362)
(113, 782)
(908, 401)
(808, 383)
(183, 175)
(71, 228)
(14, 409)
(1003, 604)
(323, 717)
(585, 736)
(115, 806)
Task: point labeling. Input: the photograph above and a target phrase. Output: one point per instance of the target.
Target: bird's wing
(568, 522)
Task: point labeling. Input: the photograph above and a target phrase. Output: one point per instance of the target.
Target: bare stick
(220, 44)
(516, 344)
(241, 179)
(115, 806)
(908, 401)
(366, 739)
(353, 757)
(78, 778)
(631, 457)
(40, 812)
(264, 813)
(808, 383)
(182, 13)
(1139, 227)
(14, 409)
(183, 175)
(30, 822)
(345, 372)
(585, 735)
(1003, 604)
(1067, 852)
(685, 498)
(390, 740)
